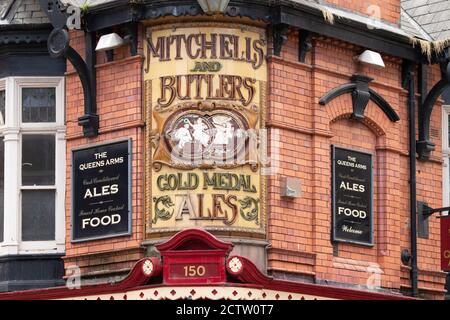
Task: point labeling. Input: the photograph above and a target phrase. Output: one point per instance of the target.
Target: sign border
(150, 233)
(334, 238)
(130, 190)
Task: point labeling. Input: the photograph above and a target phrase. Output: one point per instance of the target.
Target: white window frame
(13, 132)
(2, 128)
(3, 87)
(445, 157)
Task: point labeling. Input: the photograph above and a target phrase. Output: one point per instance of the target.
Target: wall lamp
(110, 41)
(58, 45)
(214, 6)
(371, 58)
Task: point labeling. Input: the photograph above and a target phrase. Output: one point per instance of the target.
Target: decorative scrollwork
(254, 167)
(253, 214)
(205, 106)
(155, 138)
(164, 213)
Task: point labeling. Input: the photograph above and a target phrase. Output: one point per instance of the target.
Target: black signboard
(101, 191)
(352, 196)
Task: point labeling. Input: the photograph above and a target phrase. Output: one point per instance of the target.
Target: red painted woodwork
(136, 278)
(188, 246)
(445, 243)
(194, 256)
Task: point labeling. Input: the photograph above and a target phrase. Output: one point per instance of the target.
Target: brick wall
(299, 230)
(119, 104)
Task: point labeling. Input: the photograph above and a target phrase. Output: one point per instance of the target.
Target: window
(2, 187)
(38, 105)
(446, 154)
(2, 158)
(2, 106)
(32, 165)
(38, 187)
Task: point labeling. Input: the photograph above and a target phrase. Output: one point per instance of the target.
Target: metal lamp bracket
(58, 46)
(361, 95)
(424, 144)
(424, 212)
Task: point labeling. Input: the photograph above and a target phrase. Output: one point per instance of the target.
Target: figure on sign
(183, 135)
(200, 132)
(225, 130)
(224, 133)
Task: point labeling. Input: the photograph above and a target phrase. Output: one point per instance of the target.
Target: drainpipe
(412, 175)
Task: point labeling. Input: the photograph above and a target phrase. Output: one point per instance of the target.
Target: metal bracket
(55, 12)
(58, 46)
(405, 256)
(361, 94)
(424, 144)
(304, 45)
(424, 212)
(280, 37)
(132, 37)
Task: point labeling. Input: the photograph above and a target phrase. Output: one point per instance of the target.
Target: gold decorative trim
(175, 26)
(264, 100)
(156, 117)
(147, 153)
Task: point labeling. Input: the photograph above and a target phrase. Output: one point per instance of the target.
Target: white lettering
(354, 213)
(105, 191)
(104, 221)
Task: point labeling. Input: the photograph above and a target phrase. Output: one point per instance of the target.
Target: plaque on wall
(205, 99)
(352, 196)
(101, 191)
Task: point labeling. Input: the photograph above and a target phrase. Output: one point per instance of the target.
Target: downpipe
(412, 179)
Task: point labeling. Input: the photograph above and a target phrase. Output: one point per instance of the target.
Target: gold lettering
(167, 85)
(205, 46)
(447, 254)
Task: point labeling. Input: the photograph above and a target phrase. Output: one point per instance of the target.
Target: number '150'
(194, 271)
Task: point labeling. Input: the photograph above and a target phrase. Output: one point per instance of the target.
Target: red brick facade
(298, 230)
(119, 99)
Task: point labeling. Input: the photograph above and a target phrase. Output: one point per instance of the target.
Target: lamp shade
(213, 6)
(109, 41)
(371, 57)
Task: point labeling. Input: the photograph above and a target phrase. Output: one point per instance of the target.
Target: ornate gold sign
(205, 100)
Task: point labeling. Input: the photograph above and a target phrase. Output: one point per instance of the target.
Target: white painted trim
(11, 203)
(445, 157)
(210, 292)
(3, 87)
(60, 180)
(12, 135)
(41, 82)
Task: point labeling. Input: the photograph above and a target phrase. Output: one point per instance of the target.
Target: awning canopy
(196, 265)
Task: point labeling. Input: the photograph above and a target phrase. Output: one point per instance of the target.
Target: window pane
(448, 131)
(38, 105)
(2, 107)
(38, 160)
(2, 186)
(38, 215)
